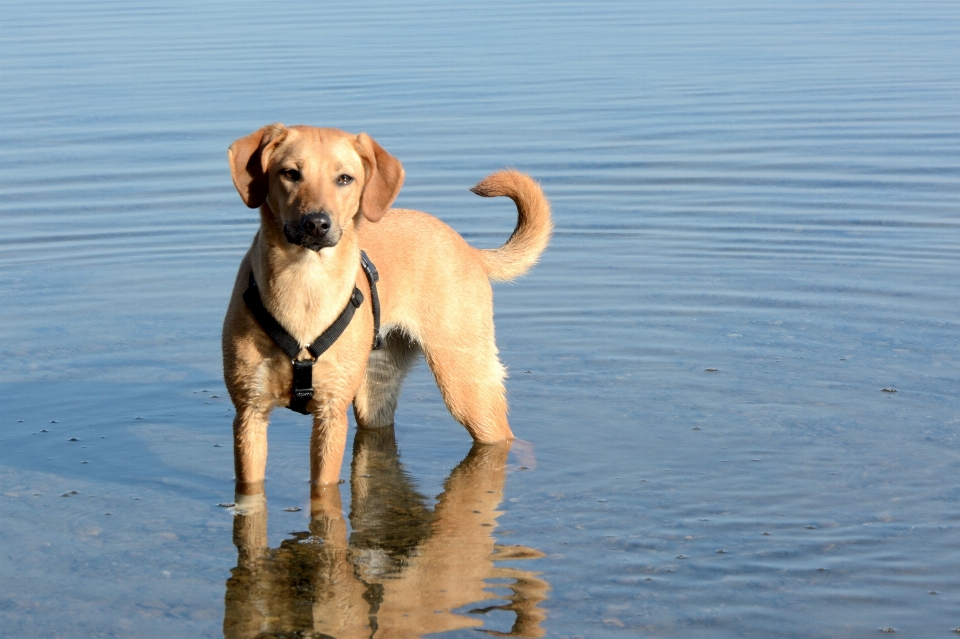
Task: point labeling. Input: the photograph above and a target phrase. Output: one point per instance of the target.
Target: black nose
(316, 224)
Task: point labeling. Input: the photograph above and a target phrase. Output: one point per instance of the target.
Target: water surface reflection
(405, 569)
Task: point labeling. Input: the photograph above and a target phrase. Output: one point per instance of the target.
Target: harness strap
(302, 391)
(329, 336)
(373, 277)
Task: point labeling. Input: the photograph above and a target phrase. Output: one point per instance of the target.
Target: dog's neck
(304, 290)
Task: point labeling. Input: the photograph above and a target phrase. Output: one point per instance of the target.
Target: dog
(324, 196)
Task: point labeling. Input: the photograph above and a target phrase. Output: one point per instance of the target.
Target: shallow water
(757, 233)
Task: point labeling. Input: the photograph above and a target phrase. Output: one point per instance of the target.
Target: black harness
(303, 370)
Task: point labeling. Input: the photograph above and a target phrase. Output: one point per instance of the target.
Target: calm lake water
(757, 241)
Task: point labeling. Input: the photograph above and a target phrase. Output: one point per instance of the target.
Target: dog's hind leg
(470, 377)
(376, 402)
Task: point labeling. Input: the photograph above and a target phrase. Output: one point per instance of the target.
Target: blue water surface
(735, 371)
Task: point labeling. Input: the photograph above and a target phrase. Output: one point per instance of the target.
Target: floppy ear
(248, 163)
(384, 178)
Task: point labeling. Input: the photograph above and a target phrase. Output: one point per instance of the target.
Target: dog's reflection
(404, 570)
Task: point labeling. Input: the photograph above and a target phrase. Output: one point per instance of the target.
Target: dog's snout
(316, 224)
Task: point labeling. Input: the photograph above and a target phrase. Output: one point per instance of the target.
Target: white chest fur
(306, 291)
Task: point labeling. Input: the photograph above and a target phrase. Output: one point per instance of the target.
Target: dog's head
(314, 182)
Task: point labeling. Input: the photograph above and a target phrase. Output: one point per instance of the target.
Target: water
(767, 191)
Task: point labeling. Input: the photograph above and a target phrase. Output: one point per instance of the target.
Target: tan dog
(324, 195)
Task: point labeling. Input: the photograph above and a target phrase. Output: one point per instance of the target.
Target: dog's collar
(303, 370)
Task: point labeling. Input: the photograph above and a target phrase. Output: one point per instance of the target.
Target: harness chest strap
(302, 390)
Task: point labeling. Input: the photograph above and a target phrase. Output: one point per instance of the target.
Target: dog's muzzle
(314, 232)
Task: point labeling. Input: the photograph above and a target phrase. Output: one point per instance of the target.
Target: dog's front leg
(327, 444)
(250, 449)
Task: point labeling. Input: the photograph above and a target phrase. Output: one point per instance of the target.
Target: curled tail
(532, 234)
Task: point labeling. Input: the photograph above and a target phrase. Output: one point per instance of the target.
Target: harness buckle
(302, 385)
(357, 298)
(369, 267)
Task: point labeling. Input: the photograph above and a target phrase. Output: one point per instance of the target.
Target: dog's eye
(291, 174)
(344, 179)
